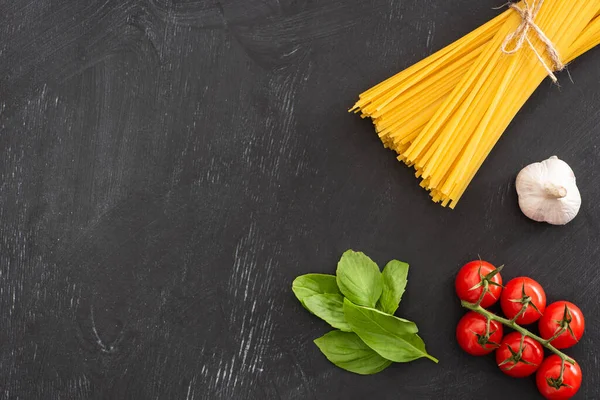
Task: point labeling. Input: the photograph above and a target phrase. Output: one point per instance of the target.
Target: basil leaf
(348, 351)
(393, 338)
(330, 308)
(359, 279)
(310, 284)
(394, 276)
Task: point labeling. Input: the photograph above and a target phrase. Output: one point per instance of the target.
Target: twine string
(519, 37)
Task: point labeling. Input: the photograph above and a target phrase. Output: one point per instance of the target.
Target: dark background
(168, 168)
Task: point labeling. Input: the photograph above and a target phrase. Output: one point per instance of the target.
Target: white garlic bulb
(548, 192)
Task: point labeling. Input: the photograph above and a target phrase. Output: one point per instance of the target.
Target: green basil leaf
(330, 308)
(349, 352)
(395, 279)
(310, 284)
(393, 338)
(359, 278)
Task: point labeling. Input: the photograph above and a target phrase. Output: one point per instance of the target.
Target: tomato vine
(476, 307)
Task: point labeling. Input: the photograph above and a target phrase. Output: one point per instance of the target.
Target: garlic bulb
(548, 192)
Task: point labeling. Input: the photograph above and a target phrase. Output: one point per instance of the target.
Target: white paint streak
(249, 286)
(189, 391)
(430, 35)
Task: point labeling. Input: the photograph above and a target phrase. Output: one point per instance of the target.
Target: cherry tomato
(519, 359)
(471, 279)
(549, 384)
(471, 334)
(564, 316)
(519, 292)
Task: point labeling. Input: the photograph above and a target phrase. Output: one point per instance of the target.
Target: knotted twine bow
(519, 36)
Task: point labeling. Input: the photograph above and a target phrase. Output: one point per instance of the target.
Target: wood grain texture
(168, 167)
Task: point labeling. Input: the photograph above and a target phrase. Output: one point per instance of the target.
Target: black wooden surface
(168, 167)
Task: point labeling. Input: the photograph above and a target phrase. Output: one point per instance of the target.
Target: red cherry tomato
(519, 356)
(549, 384)
(471, 279)
(471, 334)
(519, 292)
(564, 316)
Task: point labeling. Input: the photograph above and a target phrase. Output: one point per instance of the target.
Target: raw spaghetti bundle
(444, 114)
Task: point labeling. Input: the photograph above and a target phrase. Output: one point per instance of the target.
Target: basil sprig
(359, 301)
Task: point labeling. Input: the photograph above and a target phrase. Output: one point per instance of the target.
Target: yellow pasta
(444, 114)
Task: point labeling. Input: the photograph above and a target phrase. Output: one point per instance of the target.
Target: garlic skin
(548, 192)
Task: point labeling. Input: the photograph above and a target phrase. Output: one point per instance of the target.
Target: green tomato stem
(511, 324)
(521, 312)
(483, 292)
(557, 334)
